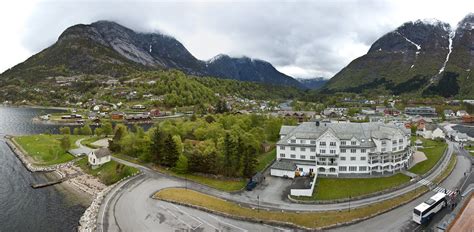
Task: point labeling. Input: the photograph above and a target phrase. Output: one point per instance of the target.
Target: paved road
(130, 208)
(400, 219)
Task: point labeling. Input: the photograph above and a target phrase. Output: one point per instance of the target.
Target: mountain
(111, 49)
(416, 59)
(313, 83)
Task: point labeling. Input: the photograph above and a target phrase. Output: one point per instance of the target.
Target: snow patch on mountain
(450, 39)
(418, 47)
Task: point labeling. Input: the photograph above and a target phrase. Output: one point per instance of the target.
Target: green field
(45, 149)
(340, 188)
(434, 151)
(265, 159)
(108, 173)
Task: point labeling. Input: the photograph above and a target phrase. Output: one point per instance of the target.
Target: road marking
(207, 223)
(177, 218)
(217, 219)
(200, 222)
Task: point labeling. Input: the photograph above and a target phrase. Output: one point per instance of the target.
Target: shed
(283, 168)
(99, 157)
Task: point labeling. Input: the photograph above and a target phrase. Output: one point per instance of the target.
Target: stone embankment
(88, 221)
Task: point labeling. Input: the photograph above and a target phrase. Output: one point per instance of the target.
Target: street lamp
(258, 203)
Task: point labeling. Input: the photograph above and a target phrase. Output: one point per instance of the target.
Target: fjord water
(21, 207)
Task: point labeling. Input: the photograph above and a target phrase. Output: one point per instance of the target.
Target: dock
(49, 183)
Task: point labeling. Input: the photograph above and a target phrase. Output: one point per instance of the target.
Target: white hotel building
(342, 148)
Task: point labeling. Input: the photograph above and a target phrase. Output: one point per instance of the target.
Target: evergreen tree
(249, 162)
(182, 165)
(238, 152)
(120, 132)
(86, 130)
(228, 154)
(65, 130)
(156, 146)
(66, 142)
(171, 154)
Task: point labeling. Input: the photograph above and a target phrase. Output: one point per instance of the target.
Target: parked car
(254, 181)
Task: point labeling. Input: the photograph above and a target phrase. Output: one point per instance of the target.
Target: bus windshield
(417, 212)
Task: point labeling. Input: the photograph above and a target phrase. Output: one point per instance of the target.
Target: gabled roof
(102, 152)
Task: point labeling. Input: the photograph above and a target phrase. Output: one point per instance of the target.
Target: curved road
(129, 206)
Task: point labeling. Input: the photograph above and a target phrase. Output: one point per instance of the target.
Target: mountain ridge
(106, 47)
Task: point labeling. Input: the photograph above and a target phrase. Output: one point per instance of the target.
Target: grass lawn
(447, 171)
(434, 151)
(46, 149)
(108, 173)
(306, 219)
(220, 184)
(265, 159)
(88, 142)
(339, 188)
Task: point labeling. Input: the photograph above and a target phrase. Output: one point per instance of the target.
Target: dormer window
(293, 141)
(353, 143)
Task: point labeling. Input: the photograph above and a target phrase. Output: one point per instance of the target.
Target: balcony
(327, 163)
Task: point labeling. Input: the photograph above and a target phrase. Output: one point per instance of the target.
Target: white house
(342, 148)
(99, 157)
(460, 137)
(461, 113)
(437, 133)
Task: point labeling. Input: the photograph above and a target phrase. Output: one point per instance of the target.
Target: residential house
(461, 113)
(155, 113)
(99, 157)
(449, 113)
(116, 115)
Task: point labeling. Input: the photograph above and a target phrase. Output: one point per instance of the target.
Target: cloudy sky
(301, 38)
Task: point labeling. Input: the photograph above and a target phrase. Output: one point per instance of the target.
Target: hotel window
(282, 155)
(322, 151)
(343, 150)
(363, 150)
(312, 157)
(353, 142)
(332, 151)
(352, 168)
(400, 140)
(293, 141)
(353, 150)
(312, 149)
(343, 158)
(342, 168)
(353, 158)
(322, 159)
(384, 143)
(394, 142)
(313, 141)
(383, 149)
(302, 157)
(302, 141)
(343, 143)
(362, 169)
(362, 158)
(400, 148)
(332, 144)
(292, 148)
(282, 147)
(322, 143)
(303, 149)
(394, 148)
(293, 156)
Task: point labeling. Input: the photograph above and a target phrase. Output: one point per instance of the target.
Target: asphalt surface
(400, 219)
(129, 207)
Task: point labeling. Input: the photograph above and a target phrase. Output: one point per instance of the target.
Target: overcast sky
(300, 38)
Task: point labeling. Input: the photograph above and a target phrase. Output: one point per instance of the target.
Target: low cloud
(302, 39)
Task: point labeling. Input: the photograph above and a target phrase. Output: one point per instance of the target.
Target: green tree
(249, 162)
(156, 146)
(66, 142)
(181, 165)
(413, 129)
(86, 130)
(228, 154)
(77, 131)
(107, 128)
(65, 130)
(171, 154)
(120, 133)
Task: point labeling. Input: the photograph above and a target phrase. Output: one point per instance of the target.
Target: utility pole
(349, 203)
(258, 203)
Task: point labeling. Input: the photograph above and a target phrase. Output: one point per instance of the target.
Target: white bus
(424, 211)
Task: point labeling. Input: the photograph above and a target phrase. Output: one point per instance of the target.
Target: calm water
(21, 207)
